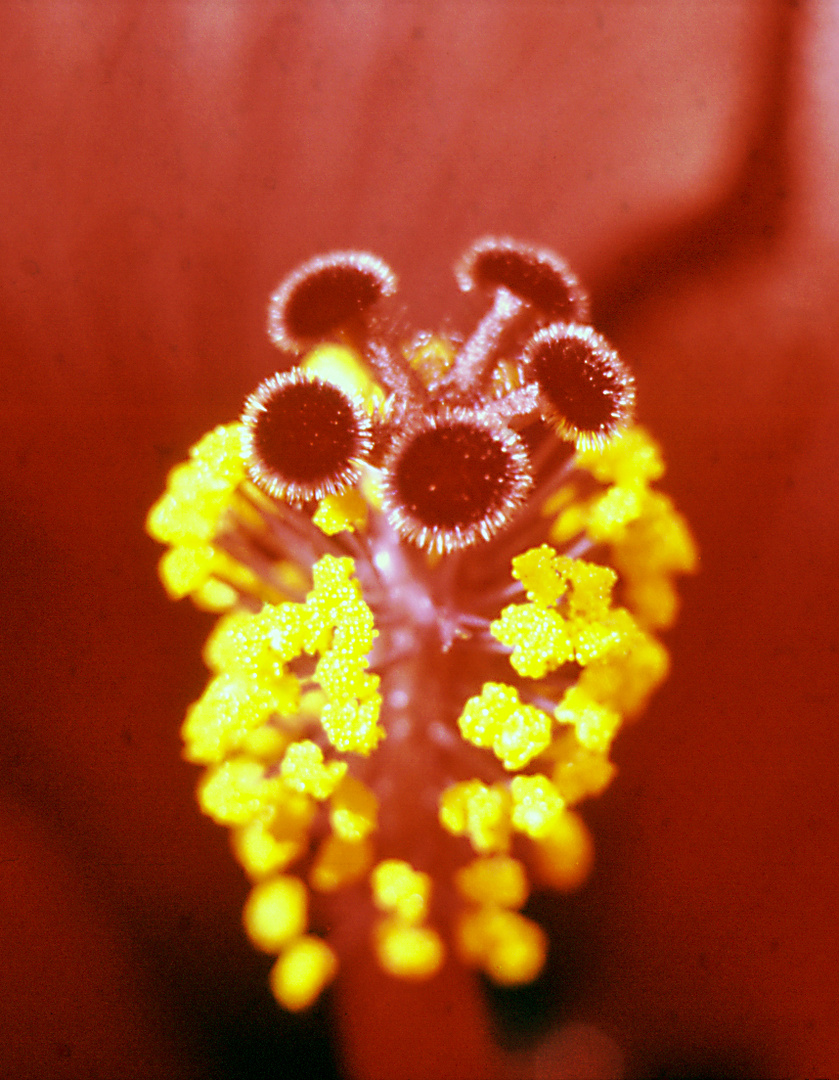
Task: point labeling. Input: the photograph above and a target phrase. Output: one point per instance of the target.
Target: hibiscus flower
(165, 167)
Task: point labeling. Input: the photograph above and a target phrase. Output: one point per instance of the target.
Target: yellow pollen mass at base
(563, 857)
(339, 863)
(595, 724)
(354, 810)
(536, 804)
(238, 791)
(494, 879)
(274, 841)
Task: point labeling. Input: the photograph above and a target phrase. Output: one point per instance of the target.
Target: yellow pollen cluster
(568, 626)
(404, 945)
(568, 617)
(496, 719)
(478, 811)
(256, 726)
(275, 918)
(190, 515)
(346, 511)
(649, 541)
(490, 933)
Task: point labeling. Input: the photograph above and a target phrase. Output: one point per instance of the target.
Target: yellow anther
(479, 812)
(332, 581)
(400, 889)
(592, 584)
(433, 356)
(654, 599)
(344, 676)
(226, 649)
(408, 951)
(571, 516)
(615, 634)
(344, 368)
(220, 453)
(276, 912)
(496, 719)
(656, 546)
(284, 627)
(265, 846)
(340, 862)
(260, 642)
(626, 681)
(237, 791)
(341, 627)
(215, 596)
(594, 724)
(542, 575)
(266, 742)
(344, 512)
(536, 804)
(185, 569)
(301, 972)
(583, 774)
(496, 879)
(260, 853)
(631, 457)
(563, 857)
(613, 511)
(354, 628)
(353, 727)
(217, 723)
(303, 769)
(188, 519)
(198, 492)
(539, 637)
(508, 947)
(353, 810)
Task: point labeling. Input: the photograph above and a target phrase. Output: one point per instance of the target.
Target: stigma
(440, 567)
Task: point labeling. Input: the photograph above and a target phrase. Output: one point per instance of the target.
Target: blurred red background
(163, 166)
